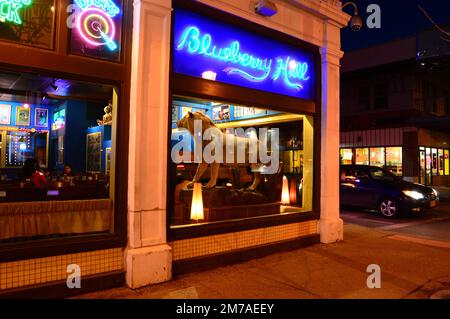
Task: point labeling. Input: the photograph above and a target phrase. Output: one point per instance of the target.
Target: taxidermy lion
(252, 146)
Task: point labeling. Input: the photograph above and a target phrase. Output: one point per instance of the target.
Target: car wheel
(388, 207)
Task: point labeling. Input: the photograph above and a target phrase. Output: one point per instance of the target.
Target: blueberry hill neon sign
(9, 10)
(240, 57)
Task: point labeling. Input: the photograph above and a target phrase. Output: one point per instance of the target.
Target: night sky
(399, 18)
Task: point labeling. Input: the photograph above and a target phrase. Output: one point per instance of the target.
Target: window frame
(216, 91)
(60, 64)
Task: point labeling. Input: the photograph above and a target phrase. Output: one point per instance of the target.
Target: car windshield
(380, 174)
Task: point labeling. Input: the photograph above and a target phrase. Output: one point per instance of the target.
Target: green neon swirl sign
(9, 10)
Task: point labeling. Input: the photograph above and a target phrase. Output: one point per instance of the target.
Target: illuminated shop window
(428, 163)
(362, 156)
(96, 28)
(28, 22)
(394, 160)
(56, 155)
(346, 156)
(446, 162)
(377, 156)
(270, 175)
(441, 161)
(434, 161)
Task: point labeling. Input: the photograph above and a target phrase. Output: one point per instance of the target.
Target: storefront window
(446, 162)
(261, 162)
(29, 22)
(394, 160)
(53, 159)
(428, 162)
(362, 156)
(96, 28)
(441, 161)
(346, 156)
(377, 156)
(434, 161)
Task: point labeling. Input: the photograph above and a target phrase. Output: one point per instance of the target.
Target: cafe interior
(56, 158)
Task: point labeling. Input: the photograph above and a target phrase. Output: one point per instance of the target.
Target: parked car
(372, 187)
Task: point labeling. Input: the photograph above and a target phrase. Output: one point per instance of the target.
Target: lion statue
(187, 122)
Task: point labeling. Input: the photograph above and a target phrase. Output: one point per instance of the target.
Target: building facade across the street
(101, 183)
(395, 109)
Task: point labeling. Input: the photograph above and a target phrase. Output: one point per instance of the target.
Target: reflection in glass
(37, 25)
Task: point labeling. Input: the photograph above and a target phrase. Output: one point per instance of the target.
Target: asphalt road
(434, 225)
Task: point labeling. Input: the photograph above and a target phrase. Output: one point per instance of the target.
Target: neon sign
(239, 57)
(9, 10)
(106, 5)
(95, 22)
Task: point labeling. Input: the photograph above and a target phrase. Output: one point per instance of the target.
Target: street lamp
(356, 21)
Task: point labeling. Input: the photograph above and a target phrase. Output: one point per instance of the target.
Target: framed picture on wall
(107, 160)
(93, 152)
(23, 116)
(41, 117)
(5, 114)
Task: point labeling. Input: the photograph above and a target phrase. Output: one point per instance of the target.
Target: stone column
(330, 224)
(148, 256)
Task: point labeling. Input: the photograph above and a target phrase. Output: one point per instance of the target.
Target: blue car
(372, 187)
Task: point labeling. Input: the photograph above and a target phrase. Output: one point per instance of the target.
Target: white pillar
(330, 224)
(148, 256)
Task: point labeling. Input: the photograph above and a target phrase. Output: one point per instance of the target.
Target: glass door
(422, 166)
(428, 163)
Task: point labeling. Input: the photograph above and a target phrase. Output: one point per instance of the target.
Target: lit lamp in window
(197, 203)
(285, 192)
(209, 75)
(293, 191)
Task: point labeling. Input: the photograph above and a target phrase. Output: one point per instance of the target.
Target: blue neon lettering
(255, 69)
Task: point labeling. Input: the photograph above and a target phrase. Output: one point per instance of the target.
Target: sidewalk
(408, 270)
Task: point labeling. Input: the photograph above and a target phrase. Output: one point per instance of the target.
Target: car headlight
(413, 194)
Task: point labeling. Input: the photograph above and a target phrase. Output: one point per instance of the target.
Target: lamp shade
(197, 202)
(293, 191)
(285, 191)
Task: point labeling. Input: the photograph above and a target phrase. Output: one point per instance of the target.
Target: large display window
(394, 160)
(362, 156)
(56, 177)
(346, 155)
(389, 157)
(377, 156)
(234, 162)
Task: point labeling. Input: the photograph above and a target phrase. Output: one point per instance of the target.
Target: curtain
(27, 219)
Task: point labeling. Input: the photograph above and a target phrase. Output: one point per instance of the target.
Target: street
(431, 228)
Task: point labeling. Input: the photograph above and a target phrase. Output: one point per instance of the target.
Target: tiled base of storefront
(32, 273)
(201, 253)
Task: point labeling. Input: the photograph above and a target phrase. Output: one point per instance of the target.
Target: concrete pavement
(408, 270)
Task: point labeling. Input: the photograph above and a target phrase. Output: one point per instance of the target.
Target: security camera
(266, 8)
(356, 23)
